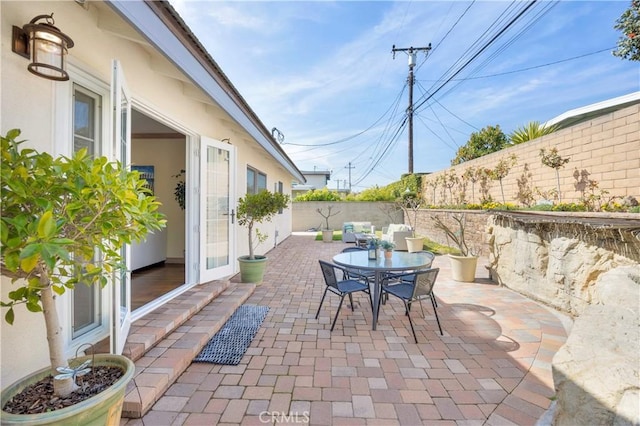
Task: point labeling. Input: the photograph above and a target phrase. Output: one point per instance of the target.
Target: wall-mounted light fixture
(45, 45)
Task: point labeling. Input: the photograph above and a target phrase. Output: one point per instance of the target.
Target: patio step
(164, 342)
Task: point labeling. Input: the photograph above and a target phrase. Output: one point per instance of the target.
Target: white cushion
(396, 227)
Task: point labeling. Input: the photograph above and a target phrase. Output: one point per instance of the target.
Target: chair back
(329, 273)
(430, 255)
(425, 279)
(348, 249)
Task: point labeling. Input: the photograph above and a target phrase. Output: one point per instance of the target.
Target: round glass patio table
(399, 261)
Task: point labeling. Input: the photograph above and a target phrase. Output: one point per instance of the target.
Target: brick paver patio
(491, 367)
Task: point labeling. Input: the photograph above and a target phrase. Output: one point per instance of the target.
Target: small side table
(362, 240)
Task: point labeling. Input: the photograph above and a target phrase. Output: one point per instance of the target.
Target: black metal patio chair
(428, 266)
(346, 286)
(412, 287)
(357, 272)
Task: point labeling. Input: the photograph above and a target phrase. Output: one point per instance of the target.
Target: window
(279, 188)
(86, 313)
(86, 124)
(256, 181)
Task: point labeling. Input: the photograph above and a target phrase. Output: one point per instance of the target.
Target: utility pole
(349, 167)
(411, 52)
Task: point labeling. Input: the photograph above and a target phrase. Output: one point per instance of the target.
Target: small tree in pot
(64, 221)
(463, 266)
(254, 209)
(327, 232)
(410, 203)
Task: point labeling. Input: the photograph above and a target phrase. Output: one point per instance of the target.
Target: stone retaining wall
(596, 372)
(558, 258)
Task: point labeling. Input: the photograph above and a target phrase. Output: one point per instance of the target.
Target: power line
(489, 43)
(537, 66)
(348, 138)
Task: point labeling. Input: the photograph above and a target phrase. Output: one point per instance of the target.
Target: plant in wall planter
(252, 210)
(463, 267)
(327, 231)
(64, 222)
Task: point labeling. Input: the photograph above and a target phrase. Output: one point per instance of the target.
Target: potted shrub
(463, 266)
(410, 203)
(254, 209)
(64, 222)
(327, 232)
(387, 247)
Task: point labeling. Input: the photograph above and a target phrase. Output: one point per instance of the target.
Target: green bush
(376, 194)
(323, 194)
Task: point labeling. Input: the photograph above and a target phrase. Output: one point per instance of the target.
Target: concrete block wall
(380, 214)
(606, 147)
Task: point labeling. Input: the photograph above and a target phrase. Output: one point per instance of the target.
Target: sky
(324, 75)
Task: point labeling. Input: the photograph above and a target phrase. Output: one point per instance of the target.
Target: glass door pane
(216, 216)
(121, 315)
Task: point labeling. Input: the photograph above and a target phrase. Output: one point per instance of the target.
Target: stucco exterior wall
(29, 102)
(607, 148)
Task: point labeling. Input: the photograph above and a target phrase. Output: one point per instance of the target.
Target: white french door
(217, 214)
(121, 302)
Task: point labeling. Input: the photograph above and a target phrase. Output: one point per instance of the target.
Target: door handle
(233, 215)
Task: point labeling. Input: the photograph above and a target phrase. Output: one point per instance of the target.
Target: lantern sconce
(45, 45)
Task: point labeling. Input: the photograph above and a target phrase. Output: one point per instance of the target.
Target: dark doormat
(231, 342)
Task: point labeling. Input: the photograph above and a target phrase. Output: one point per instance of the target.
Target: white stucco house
(315, 179)
(142, 90)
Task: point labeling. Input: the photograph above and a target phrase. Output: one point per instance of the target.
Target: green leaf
(33, 306)
(30, 250)
(46, 225)
(18, 294)
(58, 289)
(12, 261)
(29, 263)
(9, 316)
(13, 133)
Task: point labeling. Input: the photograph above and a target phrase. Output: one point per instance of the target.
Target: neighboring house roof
(588, 112)
(317, 172)
(163, 28)
(300, 187)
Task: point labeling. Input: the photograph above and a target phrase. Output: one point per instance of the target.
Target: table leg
(376, 297)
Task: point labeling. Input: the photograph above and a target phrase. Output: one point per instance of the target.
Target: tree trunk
(54, 338)
(250, 226)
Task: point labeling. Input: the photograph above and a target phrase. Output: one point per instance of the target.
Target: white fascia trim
(141, 17)
(620, 100)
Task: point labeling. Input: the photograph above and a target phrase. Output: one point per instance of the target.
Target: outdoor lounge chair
(410, 288)
(347, 286)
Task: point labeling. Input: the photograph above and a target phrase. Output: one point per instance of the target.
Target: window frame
(255, 186)
(63, 144)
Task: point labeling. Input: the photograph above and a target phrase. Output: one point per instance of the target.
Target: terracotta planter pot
(388, 254)
(463, 268)
(102, 409)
